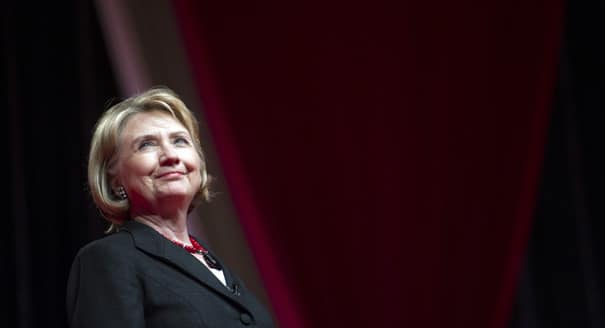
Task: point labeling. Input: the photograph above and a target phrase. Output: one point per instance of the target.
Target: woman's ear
(112, 174)
(117, 188)
(115, 182)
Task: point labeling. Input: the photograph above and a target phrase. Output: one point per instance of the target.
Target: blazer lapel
(229, 279)
(150, 241)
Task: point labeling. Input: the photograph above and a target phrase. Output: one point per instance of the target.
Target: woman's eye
(181, 140)
(145, 144)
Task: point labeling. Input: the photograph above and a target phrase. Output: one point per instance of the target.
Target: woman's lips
(170, 175)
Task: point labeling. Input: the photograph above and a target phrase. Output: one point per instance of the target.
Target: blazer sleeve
(103, 290)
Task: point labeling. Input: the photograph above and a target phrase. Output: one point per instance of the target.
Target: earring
(121, 193)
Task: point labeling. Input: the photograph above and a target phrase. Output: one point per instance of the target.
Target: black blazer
(138, 278)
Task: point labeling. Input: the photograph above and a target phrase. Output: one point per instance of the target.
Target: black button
(245, 319)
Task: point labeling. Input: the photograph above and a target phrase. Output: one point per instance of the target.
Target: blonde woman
(146, 173)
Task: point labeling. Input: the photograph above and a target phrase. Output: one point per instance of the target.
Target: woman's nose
(169, 155)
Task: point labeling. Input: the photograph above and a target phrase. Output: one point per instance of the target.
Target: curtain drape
(562, 281)
(383, 157)
(55, 81)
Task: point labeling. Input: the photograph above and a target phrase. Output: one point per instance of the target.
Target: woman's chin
(174, 193)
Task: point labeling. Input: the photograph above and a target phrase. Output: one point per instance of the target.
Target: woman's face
(157, 162)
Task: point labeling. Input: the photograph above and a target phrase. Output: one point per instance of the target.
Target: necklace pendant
(212, 262)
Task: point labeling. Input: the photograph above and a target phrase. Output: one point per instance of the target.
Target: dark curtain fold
(56, 80)
(561, 283)
(383, 157)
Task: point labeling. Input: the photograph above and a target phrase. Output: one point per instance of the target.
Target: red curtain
(383, 156)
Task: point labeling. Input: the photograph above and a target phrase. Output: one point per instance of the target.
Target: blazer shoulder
(116, 245)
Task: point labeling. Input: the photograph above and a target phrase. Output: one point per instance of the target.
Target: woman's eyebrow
(179, 132)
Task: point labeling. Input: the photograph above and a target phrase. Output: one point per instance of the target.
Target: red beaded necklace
(196, 248)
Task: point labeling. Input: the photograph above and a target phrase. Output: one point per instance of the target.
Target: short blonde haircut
(104, 148)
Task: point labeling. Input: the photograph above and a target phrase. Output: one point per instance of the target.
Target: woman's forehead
(152, 122)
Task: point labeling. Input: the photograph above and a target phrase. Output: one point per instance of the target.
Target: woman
(146, 172)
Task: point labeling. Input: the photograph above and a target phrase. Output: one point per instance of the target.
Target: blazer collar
(151, 242)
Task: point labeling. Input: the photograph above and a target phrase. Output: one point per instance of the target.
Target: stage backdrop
(383, 157)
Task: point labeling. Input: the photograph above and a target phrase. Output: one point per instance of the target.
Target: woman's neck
(171, 228)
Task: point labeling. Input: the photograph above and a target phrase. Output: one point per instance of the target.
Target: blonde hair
(105, 146)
